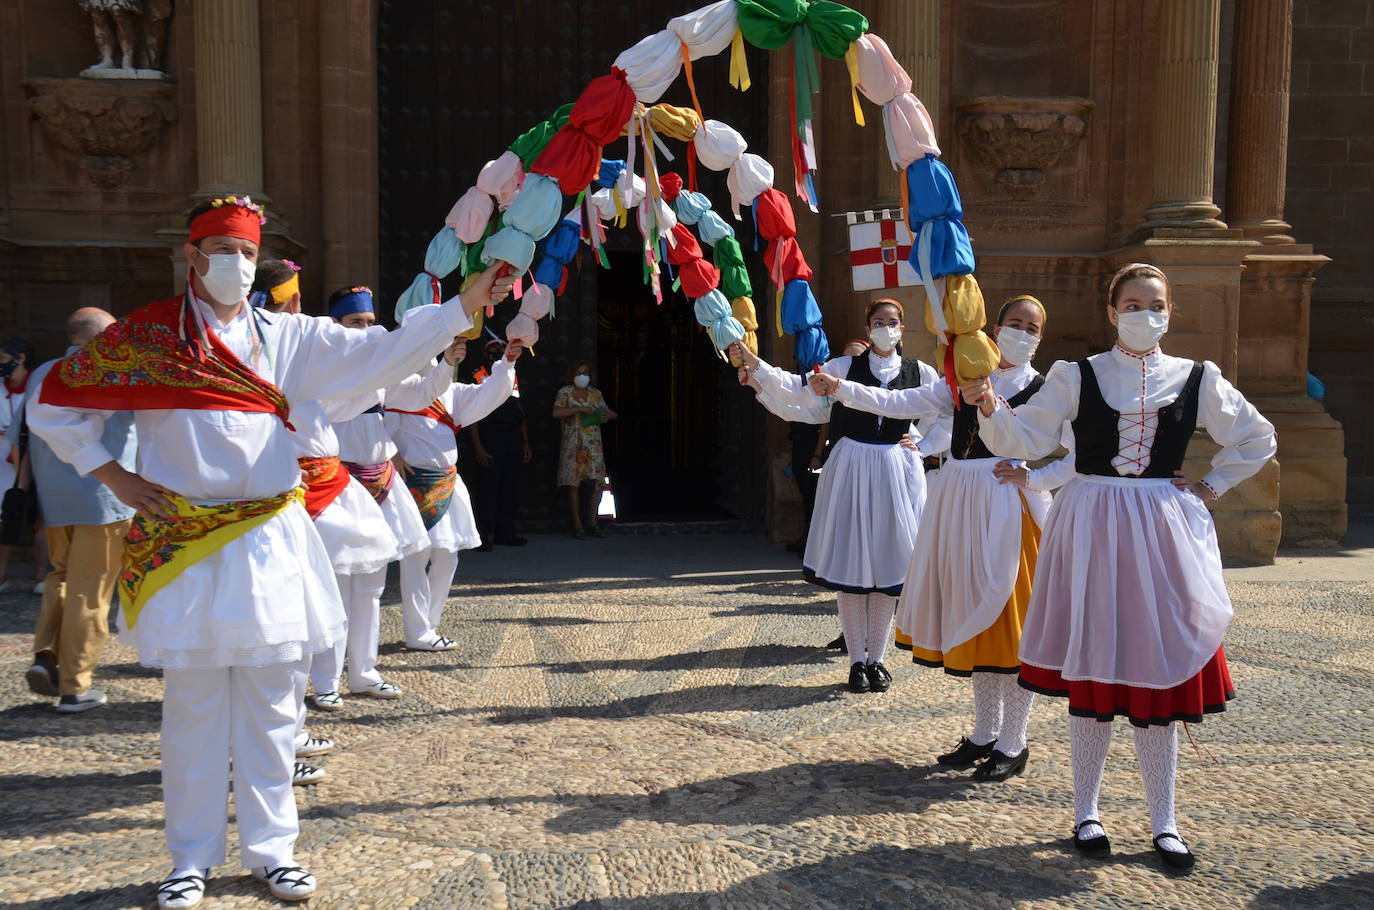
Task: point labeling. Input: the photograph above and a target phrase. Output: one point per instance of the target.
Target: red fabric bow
(686, 249)
(573, 156)
(669, 186)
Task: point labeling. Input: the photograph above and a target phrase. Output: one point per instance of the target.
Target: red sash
(436, 411)
(325, 478)
(153, 359)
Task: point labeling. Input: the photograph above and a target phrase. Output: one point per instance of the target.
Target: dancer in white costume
(427, 444)
(1129, 606)
(965, 597)
(367, 451)
(869, 497)
(228, 583)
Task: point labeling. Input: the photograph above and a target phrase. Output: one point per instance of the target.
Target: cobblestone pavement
(650, 722)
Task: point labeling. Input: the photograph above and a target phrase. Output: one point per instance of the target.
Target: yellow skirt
(996, 649)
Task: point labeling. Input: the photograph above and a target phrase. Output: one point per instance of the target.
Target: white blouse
(424, 442)
(221, 456)
(788, 396)
(1137, 386)
(933, 402)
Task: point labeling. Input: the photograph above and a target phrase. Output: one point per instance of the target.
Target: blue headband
(358, 300)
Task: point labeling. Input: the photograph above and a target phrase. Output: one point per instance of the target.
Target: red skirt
(1206, 693)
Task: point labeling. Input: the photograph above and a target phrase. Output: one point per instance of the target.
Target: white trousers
(426, 578)
(362, 599)
(210, 717)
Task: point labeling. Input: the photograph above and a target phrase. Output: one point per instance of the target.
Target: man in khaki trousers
(85, 525)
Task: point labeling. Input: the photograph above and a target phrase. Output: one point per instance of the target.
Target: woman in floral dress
(581, 465)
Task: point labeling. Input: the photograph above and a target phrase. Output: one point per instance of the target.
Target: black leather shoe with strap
(1000, 766)
(1092, 846)
(1180, 863)
(966, 754)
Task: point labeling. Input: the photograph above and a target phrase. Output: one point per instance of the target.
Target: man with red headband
(225, 582)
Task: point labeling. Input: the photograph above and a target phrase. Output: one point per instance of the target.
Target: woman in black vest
(870, 494)
(1129, 607)
(966, 594)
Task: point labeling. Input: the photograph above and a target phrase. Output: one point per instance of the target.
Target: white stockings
(866, 620)
(1001, 711)
(1156, 749)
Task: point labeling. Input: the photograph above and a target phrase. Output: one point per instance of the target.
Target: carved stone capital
(108, 123)
(1021, 136)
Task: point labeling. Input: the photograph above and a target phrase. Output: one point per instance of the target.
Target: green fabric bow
(734, 277)
(820, 27)
(769, 24)
(533, 140)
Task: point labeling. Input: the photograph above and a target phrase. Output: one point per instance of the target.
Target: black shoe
(879, 680)
(596, 531)
(1000, 766)
(512, 541)
(837, 644)
(858, 679)
(486, 547)
(1093, 846)
(1177, 862)
(579, 534)
(966, 754)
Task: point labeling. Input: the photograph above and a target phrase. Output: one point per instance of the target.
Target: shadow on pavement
(1355, 890)
(38, 720)
(883, 878)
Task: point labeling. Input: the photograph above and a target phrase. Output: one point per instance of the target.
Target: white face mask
(1017, 347)
(229, 277)
(582, 380)
(1141, 330)
(885, 337)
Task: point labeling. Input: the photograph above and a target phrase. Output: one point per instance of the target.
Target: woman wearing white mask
(581, 463)
(870, 495)
(969, 583)
(1129, 607)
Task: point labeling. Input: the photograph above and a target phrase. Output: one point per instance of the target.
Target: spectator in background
(581, 463)
(16, 362)
(500, 447)
(85, 530)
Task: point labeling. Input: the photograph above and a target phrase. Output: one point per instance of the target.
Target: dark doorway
(457, 82)
(658, 369)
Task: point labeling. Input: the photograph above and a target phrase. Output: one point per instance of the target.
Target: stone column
(1257, 156)
(911, 29)
(1185, 119)
(228, 73)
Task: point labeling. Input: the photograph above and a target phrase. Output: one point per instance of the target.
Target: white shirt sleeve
(470, 403)
(936, 434)
(1053, 475)
(73, 433)
(418, 390)
(929, 401)
(794, 413)
(1246, 438)
(336, 362)
(1033, 430)
(790, 388)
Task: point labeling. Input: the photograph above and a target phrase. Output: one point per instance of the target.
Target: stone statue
(136, 30)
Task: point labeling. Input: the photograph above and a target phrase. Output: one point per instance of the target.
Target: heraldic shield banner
(879, 247)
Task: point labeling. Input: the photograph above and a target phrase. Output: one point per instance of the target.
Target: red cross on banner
(879, 249)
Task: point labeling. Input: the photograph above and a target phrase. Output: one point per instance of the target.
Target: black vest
(862, 426)
(1095, 438)
(963, 440)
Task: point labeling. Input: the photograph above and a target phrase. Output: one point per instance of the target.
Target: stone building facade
(1084, 134)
